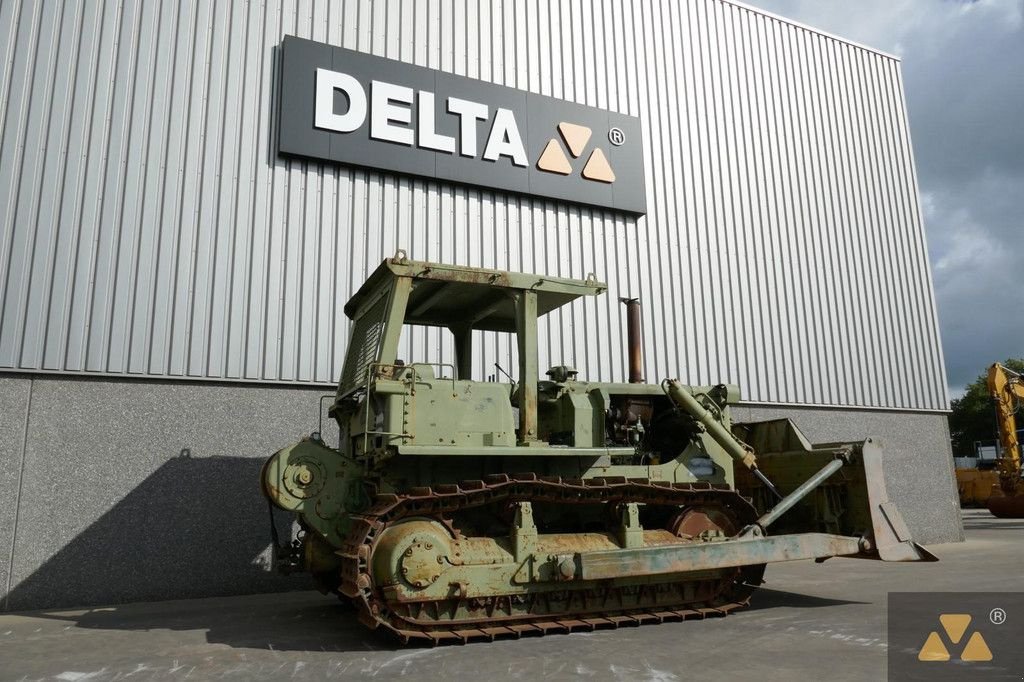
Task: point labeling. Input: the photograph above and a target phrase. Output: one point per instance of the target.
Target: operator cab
(462, 299)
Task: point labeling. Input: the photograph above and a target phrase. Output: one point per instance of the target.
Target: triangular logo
(597, 168)
(553, 159)
(575, 136)
(955, 625)
(933, 649)
(976, 649)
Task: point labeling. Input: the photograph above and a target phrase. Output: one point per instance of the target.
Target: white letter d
(324, 117)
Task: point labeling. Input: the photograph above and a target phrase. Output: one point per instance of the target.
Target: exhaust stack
(634, 342)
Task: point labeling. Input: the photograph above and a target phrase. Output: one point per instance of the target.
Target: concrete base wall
(139, 490)
(130, 490)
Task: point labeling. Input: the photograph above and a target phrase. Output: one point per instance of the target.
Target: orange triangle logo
(575, 136)
(933, 649)
(976, 649)
(955, 625)
(553, 159)
(597, 168)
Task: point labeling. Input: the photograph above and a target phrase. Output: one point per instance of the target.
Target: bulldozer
(456, 510)
(1007, 390)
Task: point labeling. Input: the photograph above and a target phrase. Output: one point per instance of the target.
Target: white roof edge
(807, 27)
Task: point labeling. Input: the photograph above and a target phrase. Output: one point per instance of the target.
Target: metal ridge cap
(807, 27)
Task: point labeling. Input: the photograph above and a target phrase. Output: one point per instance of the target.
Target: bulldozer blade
(854, 501)
(891, 536)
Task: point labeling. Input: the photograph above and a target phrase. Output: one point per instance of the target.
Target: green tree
(973, 415)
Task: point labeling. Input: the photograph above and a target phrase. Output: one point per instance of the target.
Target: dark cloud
(963, 72)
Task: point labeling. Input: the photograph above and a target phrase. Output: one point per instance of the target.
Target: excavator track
(580, 608)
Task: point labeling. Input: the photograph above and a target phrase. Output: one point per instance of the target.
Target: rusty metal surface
(440, 289)
(583, 606)
(692, 523)
(634, 341)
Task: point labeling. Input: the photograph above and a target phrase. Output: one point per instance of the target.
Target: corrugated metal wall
(148, 227)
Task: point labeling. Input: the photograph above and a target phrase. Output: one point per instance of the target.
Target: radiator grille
(364, 345)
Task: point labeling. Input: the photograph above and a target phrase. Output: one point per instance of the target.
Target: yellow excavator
(1007, 389)
(974, 484)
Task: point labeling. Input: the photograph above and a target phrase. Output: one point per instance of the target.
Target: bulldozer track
(583, 608)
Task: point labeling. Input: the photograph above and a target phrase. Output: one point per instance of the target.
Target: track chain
(696, 598)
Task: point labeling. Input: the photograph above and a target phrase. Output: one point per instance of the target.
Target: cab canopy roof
(457, 296)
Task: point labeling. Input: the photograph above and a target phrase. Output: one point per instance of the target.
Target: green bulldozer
(456, 510)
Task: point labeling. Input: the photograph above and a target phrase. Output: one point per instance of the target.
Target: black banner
(354, 108)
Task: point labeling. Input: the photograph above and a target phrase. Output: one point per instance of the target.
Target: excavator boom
(1007, 389)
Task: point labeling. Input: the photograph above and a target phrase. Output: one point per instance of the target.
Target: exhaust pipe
(633, 341)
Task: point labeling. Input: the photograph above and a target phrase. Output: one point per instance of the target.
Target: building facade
(172, 286)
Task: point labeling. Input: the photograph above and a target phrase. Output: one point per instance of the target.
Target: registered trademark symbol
(997, 616)
(616, 136)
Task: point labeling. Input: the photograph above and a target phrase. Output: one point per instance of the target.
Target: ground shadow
(298, 621)
(301, 621)
(196, 527)
(769, 599)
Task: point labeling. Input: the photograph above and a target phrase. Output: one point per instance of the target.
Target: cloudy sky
(963, 71)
